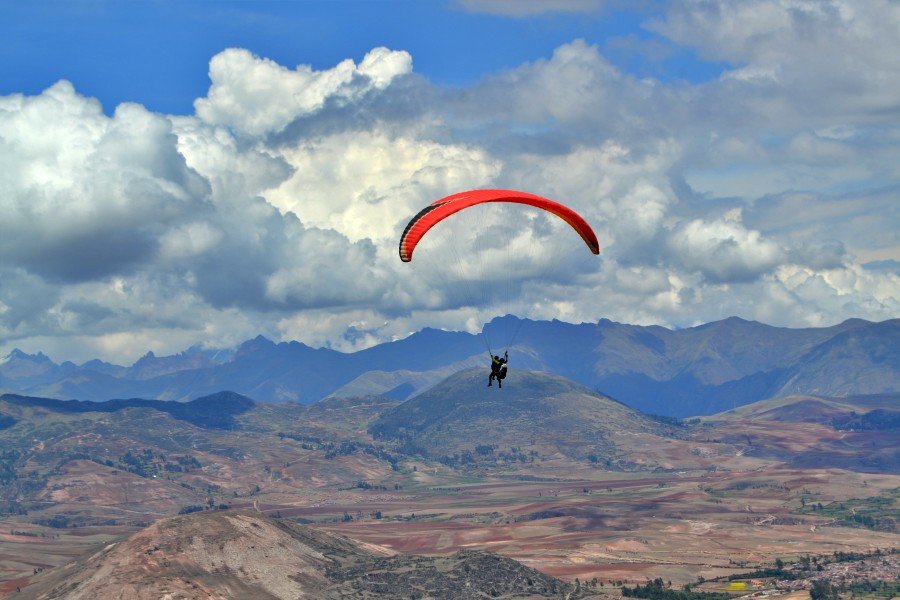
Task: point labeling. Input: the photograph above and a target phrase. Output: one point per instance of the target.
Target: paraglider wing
(436, 212)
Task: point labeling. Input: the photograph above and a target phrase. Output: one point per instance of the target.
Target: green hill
(803, 408)
(215, 411)
(534, 410)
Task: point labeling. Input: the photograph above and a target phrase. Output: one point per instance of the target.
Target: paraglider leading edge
(439, 210)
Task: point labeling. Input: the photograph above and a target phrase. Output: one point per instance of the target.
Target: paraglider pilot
(498, 369)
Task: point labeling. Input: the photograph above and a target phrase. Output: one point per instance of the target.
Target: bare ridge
(243, 554)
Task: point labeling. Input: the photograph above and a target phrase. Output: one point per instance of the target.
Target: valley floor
(615, 527)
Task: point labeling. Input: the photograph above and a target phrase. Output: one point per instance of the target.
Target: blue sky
(157, 52)
(175, 173)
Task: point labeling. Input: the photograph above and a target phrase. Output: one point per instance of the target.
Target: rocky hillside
(855, 432)
(241, 554)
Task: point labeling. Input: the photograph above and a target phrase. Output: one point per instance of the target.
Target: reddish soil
(9, 587)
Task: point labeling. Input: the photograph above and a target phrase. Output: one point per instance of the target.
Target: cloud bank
(275, 208)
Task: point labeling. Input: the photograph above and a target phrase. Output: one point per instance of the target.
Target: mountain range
(676, 372)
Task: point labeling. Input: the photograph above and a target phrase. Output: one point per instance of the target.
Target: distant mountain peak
(856, 322)
(258, 343)
(17, 354)
(735, 319)
(12, 355)
(732, 321)
(148, 357)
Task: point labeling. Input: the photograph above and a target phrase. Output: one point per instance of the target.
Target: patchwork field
(614, 526)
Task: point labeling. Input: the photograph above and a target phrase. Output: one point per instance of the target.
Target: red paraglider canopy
(439, 210)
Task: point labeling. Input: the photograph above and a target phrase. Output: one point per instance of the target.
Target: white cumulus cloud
(256, 96)
(276, 207)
